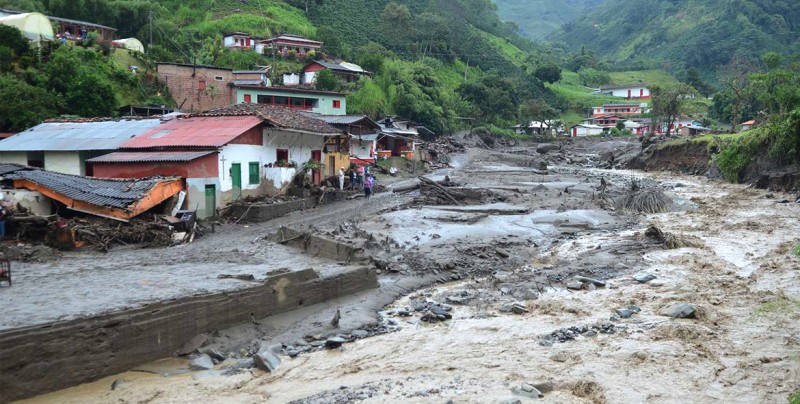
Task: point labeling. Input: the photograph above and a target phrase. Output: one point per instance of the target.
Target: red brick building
(198, 88)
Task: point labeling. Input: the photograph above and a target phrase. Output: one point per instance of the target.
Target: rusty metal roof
(150, 157)
(115, 193)
(279, 117)
(77, 136)
(194, 131)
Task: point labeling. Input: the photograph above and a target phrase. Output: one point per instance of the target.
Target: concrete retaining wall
(319, 247)
(262, 213)
(36, 360)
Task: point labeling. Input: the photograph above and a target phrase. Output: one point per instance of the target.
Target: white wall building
(585, 130)
(627, 91)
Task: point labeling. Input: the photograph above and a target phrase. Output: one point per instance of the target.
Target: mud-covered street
(516, 274)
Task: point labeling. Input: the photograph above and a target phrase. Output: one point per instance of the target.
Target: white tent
(129, 43)
(34, 26)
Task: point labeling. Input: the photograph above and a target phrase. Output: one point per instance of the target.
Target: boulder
(547, 147)
(679, 310)
(201, 362)
(265, 359)
(193, 344)
(644, 278)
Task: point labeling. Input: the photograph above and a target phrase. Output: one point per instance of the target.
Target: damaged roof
(77, 135)
(114, 193)
(343, 119)
(194, 131)
(279, 117)
(150, 157)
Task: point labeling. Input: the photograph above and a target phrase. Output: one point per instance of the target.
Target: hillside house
(317, 101)
(198, 87)
(606, 121)
(288, 45)
(619, 109)
(71, 29)
(238, 41)
(362, 141)
(748, 125)
(627, 91)
(224, 154)
(64, 146)
(581, 130)
(348, 72)
(533, 128)
(399, 136)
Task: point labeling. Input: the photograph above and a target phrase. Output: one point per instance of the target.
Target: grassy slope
(538, 18)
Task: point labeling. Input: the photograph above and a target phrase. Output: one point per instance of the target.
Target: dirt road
(512, 312)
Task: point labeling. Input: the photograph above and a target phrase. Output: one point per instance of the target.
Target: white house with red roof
(238, 40)
(286, 44)
(224, 154)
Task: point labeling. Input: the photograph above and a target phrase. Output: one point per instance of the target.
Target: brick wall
(198, 88)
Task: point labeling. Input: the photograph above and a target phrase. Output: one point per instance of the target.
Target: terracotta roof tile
(279, 117)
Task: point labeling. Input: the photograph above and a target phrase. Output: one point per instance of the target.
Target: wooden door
(236, 176)
(211, 200)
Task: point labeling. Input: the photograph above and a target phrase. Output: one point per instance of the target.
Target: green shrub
(796, 253)
(794, 398)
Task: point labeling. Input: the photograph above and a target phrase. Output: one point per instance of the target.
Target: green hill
(434, 61)
(537, 19)
(683, 34)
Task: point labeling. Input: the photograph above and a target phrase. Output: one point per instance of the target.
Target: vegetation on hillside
(683, 34)
(537, 19)
(432, 61)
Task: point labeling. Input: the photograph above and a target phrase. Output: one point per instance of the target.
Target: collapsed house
(119, 199)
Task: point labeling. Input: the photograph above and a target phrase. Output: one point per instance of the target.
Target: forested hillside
(537, 19)
(435, 61)
(683, 34)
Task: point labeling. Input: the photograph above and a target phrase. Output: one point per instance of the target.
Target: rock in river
(265, 359)
(679, 310)
(201, 362)
(644, 278)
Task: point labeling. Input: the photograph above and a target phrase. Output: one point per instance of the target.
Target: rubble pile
(441, 150)
(586, 331)
(156, 231)
(447, 192)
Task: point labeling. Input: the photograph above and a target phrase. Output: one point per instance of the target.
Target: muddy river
(516, 327)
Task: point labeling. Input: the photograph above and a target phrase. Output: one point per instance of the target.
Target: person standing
(341, 178)
(360, 172)
(368, 182)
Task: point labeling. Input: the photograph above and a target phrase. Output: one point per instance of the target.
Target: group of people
(359, 177)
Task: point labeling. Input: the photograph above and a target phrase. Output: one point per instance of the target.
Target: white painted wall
(279, 176)
(299, 145)
(242, 154)
(291, 79)
(64, 162)
(623, 92)
(34, 201)
(361, 150)
(584, 131)
(14, 158)
(309, 77)
(196, 195)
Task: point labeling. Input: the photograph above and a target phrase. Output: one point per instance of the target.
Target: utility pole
(150, 17)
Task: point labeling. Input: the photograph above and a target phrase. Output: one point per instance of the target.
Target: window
(282, 154)
(218, 78)
(248, 98)
(201, 85)
(337, 104)
(255, 176)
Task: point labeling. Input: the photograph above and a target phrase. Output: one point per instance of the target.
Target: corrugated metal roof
(10, 168)
(248, 83)
(76, 136)
(195, 131)
(149, 157)
(341, 119)
(114, 193)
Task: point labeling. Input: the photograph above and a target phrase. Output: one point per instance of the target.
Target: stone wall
(39, 359)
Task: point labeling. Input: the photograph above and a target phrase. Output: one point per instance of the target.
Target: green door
(236, 176)
(211, 200)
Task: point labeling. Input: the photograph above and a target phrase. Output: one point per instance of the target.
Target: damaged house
(225, 154)
(360, 149)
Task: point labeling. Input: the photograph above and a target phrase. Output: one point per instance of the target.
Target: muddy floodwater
(503, 268)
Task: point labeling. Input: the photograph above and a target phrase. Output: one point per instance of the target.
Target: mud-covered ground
(503, 267)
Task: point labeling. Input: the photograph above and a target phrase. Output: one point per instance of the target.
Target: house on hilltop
(288, 45)
(348, 72)
(237, 40)
(627, 91)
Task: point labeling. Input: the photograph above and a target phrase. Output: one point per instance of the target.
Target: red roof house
(223, 154)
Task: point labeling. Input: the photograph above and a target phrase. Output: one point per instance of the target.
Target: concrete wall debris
(36, 360)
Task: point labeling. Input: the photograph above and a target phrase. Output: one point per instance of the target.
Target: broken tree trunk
(440, 188)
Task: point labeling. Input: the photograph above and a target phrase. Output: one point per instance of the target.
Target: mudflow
(516, 275)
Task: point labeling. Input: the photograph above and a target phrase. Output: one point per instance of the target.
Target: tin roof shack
(119, 199)
(358, 146)
(224, 154)
(64, 145)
